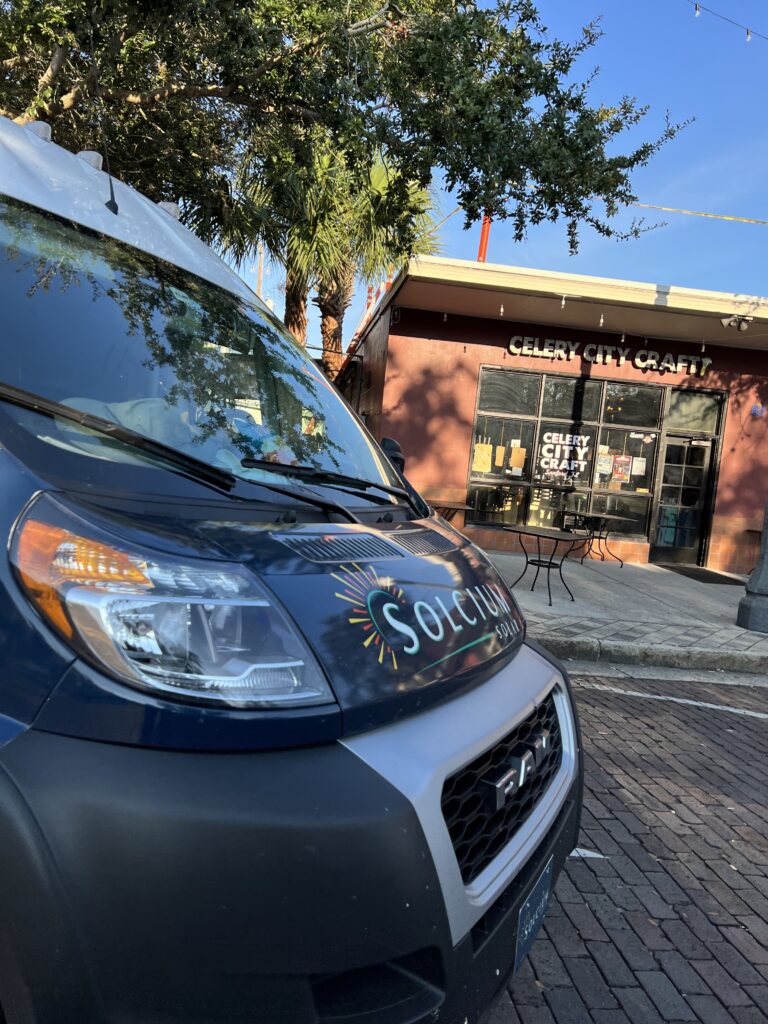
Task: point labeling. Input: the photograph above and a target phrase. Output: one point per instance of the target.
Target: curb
(658, 655)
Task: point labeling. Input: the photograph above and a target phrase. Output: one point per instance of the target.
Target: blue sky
(702, 68)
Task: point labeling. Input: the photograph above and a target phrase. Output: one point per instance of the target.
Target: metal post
(753, 607)
(485, 232)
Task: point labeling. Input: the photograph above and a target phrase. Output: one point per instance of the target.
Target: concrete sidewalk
(638, 614)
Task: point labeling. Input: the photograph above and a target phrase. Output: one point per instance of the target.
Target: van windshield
(112, 331)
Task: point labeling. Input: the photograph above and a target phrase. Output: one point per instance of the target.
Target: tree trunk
(295, 317)
(333, 300)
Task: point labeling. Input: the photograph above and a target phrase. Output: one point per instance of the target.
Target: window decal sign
(563, 456)
(609, 355)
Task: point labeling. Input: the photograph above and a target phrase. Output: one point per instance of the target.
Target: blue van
(274, 746)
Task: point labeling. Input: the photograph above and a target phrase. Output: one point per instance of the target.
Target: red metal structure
(485, 233)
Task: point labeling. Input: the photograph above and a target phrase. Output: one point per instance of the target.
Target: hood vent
(340, 547)
(335, 548)
(423, 542)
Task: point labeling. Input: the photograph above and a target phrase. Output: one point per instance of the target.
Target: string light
(699, 7)
(700, 213)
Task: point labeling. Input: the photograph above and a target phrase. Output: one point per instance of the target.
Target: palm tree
(370, 248)
(327, 229)
(286, 206)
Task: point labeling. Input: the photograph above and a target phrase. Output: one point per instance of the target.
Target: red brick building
(526, 393)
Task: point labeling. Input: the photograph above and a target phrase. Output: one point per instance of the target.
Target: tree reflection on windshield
(120, 334)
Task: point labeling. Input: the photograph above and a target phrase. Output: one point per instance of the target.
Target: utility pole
(753, 607)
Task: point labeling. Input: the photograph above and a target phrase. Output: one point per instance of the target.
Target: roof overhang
(598, 304)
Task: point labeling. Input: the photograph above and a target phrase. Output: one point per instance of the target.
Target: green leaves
(222, 104)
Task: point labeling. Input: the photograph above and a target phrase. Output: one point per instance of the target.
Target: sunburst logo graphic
(366, 591)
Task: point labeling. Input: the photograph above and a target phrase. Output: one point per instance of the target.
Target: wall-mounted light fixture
(741, 323)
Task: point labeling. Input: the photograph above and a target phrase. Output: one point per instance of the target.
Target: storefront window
(549, 506)
(502, 448)
(636, 405)
(501, 504)
(515, 394)
(583, 445)
(694, 412)
(625, 460)
(632, 507)
(571, 398)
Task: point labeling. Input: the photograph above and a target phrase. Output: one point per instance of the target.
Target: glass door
(683, 501)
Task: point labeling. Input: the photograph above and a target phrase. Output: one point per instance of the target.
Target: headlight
(196, 630)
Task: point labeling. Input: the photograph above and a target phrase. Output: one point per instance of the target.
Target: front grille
(338, 547)
(479, 831)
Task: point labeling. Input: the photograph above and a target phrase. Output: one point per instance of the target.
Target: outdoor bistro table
(448, 509)
(557, 537)
(598, 526)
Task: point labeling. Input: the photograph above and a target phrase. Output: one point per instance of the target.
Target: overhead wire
(699, 213)
(663, 209)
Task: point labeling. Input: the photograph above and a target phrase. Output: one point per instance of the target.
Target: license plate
(532, 913)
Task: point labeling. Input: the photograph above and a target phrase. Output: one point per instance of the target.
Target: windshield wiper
(196, 468)
(326, 476)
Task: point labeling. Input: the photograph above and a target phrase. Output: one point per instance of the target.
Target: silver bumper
(417, 755)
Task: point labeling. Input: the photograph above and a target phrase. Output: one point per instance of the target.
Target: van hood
(397, 617)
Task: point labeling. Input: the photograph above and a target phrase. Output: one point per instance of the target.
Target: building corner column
(753, 607)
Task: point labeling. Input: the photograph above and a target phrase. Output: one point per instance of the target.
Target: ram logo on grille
(504, 782)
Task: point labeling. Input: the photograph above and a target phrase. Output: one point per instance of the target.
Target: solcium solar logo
(391, 625)
(369, 594)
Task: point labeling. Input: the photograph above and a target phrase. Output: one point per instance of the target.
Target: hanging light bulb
(696, 10)
(562, 303)
(602, 319)
(749, 35)
(623, 337)
(501, 309)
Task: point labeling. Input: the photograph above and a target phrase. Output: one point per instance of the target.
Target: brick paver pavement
(696, 633)
(672, 925)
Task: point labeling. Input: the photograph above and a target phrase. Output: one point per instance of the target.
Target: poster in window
(517, 460)
(482, 457)
(604, 463)
(622, 465)
(638, 466)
